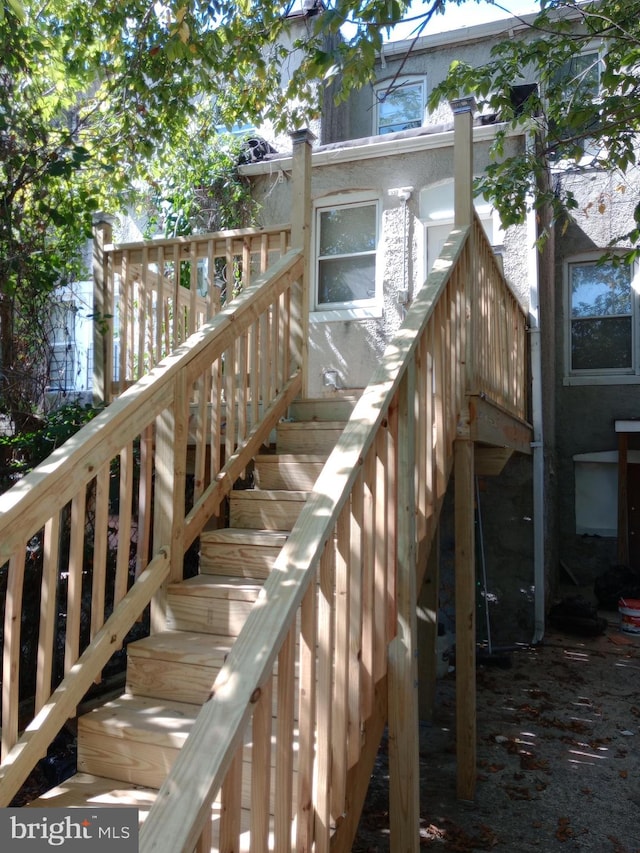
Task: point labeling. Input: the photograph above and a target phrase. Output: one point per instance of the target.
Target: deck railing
(150, 296)
(127, 468)
(343, 594)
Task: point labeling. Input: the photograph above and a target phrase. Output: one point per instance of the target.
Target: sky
(468, 15)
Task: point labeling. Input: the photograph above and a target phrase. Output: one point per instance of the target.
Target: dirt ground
(558, 755)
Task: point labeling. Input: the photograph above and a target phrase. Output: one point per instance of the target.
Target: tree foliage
(585, 109)
(101, 99)
(93, 96)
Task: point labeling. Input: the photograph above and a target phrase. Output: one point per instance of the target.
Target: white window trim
(371, 309)
(382, 86)
(605, 376)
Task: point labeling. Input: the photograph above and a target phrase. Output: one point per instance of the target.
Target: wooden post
(428, 632)
(102, 234)
(404, 764)
(465, 579)
(465, 595)
(623, 500)
(301, 239)
(463, 160)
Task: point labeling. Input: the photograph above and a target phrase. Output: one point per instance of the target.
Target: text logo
(109, 830)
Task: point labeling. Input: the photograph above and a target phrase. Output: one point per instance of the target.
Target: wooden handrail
(54, 502)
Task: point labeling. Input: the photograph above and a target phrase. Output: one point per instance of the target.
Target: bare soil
(558, 755)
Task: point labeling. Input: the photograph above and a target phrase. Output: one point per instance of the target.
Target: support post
(301, 239)
(102, 234)
(465, 570)
(623, 500)
(428, 632)
(404, 765)
(465, 596)
(463, 160)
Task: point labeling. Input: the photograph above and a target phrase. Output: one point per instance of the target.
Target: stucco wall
(352, 348)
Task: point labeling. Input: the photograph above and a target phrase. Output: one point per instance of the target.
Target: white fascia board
(501, 28)
(369, 149)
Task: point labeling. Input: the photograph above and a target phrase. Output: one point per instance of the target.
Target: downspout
(537, 445)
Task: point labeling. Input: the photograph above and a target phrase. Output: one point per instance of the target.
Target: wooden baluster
(100, 549)
(143, 314)
(11, 652)
(145, 497)
(341, 674)
(124, 523)
(48, 593)
(285, 744)
(261, 769)
(381, 499)
(324, 713)
(160, 303)
(74, 579)
(356, 532)
(176, 336)
(231, 806)
(308, 697)
(368, 584)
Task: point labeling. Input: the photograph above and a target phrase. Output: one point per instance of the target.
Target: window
(575, 83)
(399, 105)
(437, 213)
(346, 244)
(602, 315)
(62, 367)
(579, 77)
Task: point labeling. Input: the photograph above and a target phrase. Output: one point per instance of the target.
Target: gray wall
(586, 414)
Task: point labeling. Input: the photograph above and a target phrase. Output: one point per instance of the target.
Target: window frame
(383, 86)
(358, 309)
(603, 375)
(586, 144)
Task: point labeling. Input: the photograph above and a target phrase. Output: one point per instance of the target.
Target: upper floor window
(602, 318)
(400, 105)
(579, 76)
(346, 246)
(576, 82)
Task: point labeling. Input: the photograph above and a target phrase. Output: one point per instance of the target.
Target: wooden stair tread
(312, 425)
(291, 458)
(141, 718)
(85, 789)
(247, 536)
(270, 495)
(218, 586)
(188, 647)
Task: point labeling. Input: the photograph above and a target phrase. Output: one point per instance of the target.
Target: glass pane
(601, 344)
(346, 279)
(346, 230)
(579, 76)
(600, 290)
(400, 108)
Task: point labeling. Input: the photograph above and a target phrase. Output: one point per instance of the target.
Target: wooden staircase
(127, 746)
